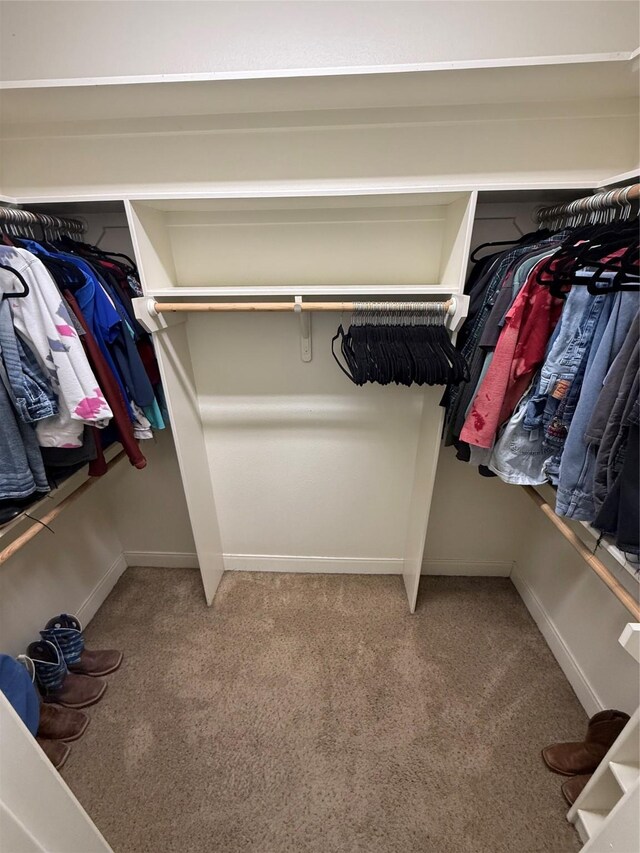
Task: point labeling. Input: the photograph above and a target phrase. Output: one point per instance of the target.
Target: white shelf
(591, 821)
(377, 244)
(301, 290)
(560, 79)
(611, 549)
(625, 774)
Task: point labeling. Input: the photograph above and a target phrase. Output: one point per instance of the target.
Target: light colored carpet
(313, 714)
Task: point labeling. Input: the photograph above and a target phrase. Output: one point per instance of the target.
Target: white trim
(329, 71)
(320, 565)
(101, 590)
(315, 189)
(471, 568)
(585, 692)
(620, 178)
(163, 559)
(331, 565)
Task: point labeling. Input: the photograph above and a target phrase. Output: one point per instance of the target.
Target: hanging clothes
(42, 320)
(77, 371)
(553, 390)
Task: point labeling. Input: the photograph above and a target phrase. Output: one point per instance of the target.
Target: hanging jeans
(578, 464)
(24, 379)
(21, 468)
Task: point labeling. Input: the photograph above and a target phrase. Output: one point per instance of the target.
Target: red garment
(111, 391)
(518, 355)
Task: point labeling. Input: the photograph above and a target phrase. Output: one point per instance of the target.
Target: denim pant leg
(518, 455)
(25, 381)
(578, 463)
(21, 467)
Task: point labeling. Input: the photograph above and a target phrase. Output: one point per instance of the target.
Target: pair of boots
(69, 678)
(580, 759)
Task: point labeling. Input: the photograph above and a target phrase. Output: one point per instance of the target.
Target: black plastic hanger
(526, 238)
(25, 286)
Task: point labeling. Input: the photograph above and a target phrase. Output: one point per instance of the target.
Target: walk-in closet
(319, 501)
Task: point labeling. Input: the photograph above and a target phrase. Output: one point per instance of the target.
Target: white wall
(150, 510)
(71, 570)
(578, 616)
(146, 38)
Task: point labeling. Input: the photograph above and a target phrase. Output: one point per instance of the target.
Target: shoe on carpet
(66, 632)
(59, 723)
(56, 751)
(573, 787)
(577, 758)
(59, 685)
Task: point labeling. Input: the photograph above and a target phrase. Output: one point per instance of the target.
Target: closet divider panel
(155, 262)
(455, 254)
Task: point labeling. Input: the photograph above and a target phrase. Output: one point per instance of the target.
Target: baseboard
(586, 694)
(316, 565)
(476, 568)
(101, 590)
(162, 559)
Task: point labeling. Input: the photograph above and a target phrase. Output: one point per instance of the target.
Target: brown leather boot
(574, 759)
(56, 751)
(78, 691)
(66, 632)
(58, 723)
(97, 662)
(573, 787)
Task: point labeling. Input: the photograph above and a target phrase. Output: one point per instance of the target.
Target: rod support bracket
(144, 308)
(305, 329)
(458, 312)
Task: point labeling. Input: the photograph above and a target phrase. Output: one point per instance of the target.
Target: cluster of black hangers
(405, 343)
(19, 228)
(603, 257)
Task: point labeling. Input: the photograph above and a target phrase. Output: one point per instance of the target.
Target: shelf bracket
(304, 318)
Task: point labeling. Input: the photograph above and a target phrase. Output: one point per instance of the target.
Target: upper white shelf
(374, 244)
(559, 79)
(260, 291)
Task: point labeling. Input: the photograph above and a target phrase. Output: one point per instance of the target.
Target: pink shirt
(519, 352)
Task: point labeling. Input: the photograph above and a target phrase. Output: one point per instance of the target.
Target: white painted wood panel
(538, 151)
(37, 798)
(153, 253)
(370, 241)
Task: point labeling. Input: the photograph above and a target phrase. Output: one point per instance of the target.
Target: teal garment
(154, 415)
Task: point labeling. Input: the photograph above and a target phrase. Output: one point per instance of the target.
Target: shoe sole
(63, 760)
(78, 735)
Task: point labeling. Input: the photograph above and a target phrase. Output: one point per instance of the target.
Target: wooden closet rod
(167, 307)
(38, 525)
(623, 596)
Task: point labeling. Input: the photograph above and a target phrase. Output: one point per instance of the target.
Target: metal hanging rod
(18, 216)
(606, 576)
(621, 198)
(299, 305)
